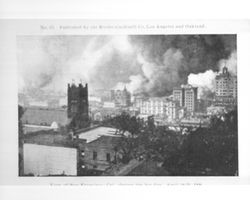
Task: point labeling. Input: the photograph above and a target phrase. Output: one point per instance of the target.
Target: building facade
(172, 108)
(190, 98)
(99, 152)
(154, 106)
(226, 88)
(44, 160)
(186, 96)
(178, 95)
(121, 97)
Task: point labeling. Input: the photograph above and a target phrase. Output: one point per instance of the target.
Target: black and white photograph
(127, 105)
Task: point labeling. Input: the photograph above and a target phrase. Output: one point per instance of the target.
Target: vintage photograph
(127, 105)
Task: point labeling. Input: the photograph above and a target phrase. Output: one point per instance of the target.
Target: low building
(216, 110)
(100, 148)
(44, 160)
(121, 97)
(109, 104)
(154, 106)
(29, 128)
(88, 151)
(172, 108)
(101, 154)
(194, 122)
(49, 153)
(44, 116)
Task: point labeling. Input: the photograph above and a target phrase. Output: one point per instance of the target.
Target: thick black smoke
(174, 57)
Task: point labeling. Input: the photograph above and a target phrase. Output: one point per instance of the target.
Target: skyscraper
(226, 88)
(178, 95)
(186, 95)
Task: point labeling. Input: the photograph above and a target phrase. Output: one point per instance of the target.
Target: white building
(226, 88)
(43, 160)
(154, 106)
(172, 108)
(163, 107)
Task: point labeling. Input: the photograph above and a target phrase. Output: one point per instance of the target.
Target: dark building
(78, 106)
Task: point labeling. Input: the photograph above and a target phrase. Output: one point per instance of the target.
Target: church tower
(78, 105)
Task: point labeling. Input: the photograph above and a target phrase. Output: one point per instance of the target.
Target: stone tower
(78, 105)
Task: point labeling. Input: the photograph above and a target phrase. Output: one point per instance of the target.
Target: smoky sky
(147, 64)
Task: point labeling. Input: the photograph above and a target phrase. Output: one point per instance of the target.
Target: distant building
(78, 105)
(104, 95)
(44, 116)
(216, 110)
(190, 98)
(162, 108)
(172, 108)
(108, 104)
(186, 95)
(226, 89)
(138, 101)
(178, 95)
(154, 106)
(95, 103)
(121, 97)
(194, 122)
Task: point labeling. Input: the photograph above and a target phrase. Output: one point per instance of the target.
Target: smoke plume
(206, 81)
(147, 64)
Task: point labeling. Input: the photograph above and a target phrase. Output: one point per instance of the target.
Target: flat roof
(94, 134)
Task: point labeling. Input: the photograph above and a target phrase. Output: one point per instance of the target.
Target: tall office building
(186, 95)
(190, 98)
(178, 95)
(226, 88)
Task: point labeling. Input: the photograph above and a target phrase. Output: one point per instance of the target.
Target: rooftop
(95, 133)
(44, 116)
(49, 138)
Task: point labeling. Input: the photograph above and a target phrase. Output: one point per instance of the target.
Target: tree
(130, 129)
(208, 151)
